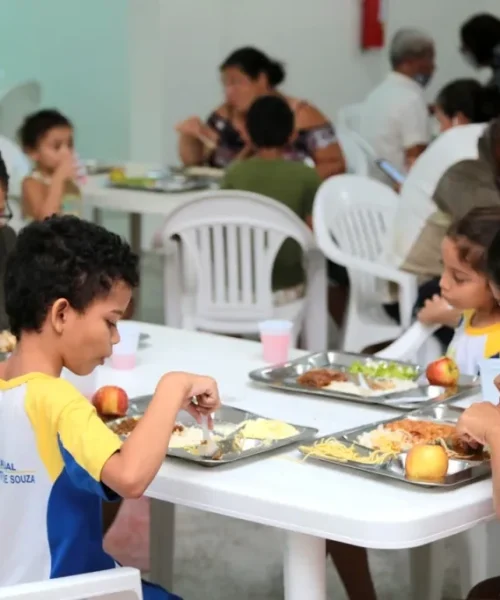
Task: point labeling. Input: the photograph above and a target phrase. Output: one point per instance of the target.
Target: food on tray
(117, 175)
(443, 372)
(333, 448)
(339, 381)
(427, 462)
(111, 400)
(381, 369)
(267, 430)
(318, 378)
(400, 436)
(125, 426)
(7, 341)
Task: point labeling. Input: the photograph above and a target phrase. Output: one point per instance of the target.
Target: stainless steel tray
(165, 186)
(460, 471)
(284, 377)
(225, 415)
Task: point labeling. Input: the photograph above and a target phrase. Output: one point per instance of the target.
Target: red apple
(443, 371)
(111, 400)
(426, 462)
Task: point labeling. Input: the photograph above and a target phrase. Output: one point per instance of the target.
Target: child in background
(467, 302)
(67, 284)
(270, 125)
(47, 138)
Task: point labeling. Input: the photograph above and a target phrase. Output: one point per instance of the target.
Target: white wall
(77, 50)
(317, 39)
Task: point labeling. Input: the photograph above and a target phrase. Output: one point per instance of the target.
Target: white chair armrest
(409, 343)
(92, 585)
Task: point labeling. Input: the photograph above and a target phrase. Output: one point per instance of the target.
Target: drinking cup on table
(489, 369)
(276, 337)
(85, 384)
(125, 352)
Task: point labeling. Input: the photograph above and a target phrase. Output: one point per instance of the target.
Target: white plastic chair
(15, 104)
(349, 117)
(357, 161)
(231, 239)
(353, 219)
(116, 584)
(476, 548)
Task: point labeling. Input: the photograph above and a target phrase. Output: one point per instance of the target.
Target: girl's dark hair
(474, 234)
(480, 35)
(36, 125)
(253, 62)
(467, 96)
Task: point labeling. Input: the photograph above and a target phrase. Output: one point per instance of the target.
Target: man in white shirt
(394, 118)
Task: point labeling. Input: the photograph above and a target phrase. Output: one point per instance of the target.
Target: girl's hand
(68, 169)
(478, 423)
(437, 311)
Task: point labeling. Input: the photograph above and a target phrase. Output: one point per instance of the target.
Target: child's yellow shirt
(472, 344)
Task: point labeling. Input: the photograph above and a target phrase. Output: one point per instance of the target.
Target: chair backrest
(233, 238)
(356, 158)
(353, 219)
(15, 104)
(116, 584)
(349, 117)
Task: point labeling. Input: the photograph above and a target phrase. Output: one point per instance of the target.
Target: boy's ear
(59, 314)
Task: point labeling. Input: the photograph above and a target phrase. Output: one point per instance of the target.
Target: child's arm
(130, 471)
(480, 424)
(40, 200)
(436, 311)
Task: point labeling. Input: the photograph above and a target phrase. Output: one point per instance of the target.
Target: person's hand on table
(479, 423)
(437, 311)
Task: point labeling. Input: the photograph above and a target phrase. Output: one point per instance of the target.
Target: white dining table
(100, 196)
(311, 502)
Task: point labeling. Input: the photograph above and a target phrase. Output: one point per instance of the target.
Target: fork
(209, 447)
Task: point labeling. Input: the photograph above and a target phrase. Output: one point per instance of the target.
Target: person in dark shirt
(7, 237)
(480, 44)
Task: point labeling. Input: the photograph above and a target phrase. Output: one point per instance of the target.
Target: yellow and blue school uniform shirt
(472, 344)
(53, 447)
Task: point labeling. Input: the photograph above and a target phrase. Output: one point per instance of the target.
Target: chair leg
(427, 571)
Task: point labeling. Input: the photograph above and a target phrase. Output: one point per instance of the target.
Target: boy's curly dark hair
(36, 125)
(63, 257)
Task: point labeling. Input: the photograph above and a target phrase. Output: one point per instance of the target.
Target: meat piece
(318, 378)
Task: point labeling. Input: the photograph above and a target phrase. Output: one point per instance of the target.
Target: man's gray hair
(408, 44)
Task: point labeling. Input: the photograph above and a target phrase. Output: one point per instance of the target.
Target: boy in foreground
(67, 284)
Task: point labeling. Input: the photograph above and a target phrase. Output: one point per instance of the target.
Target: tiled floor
(224, 559)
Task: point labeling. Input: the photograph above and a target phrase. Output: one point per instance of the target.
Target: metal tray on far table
(284, 377)
(224, 416)
(460, 471)
(162, 181)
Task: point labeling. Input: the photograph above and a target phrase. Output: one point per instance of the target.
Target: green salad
(383, 370)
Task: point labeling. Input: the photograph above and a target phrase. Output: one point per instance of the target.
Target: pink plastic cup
(276, 337)
(124, 355)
